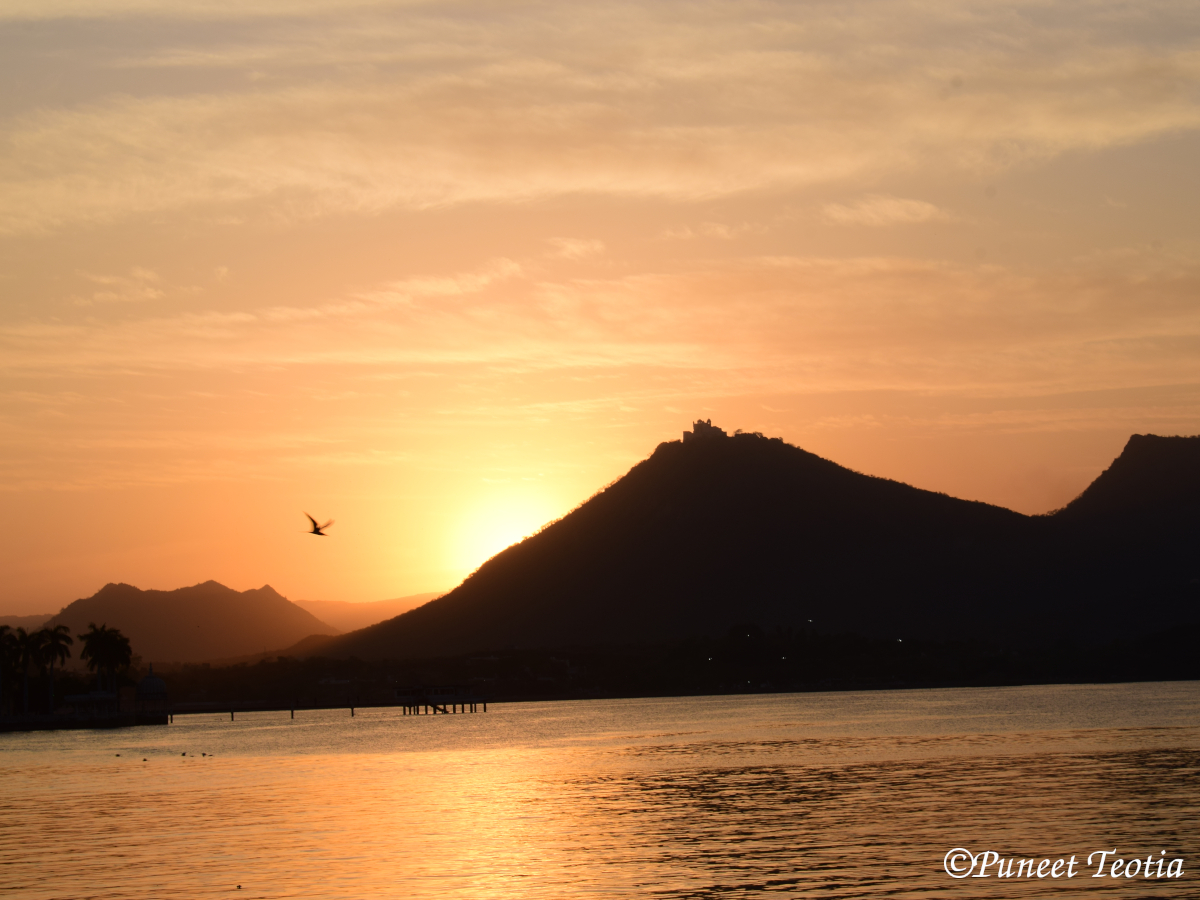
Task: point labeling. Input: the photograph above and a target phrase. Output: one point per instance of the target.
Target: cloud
(718, 230)
(575, 248)
(772, 324)
(132, 397)
(414, 106)
(23, 10)
(138, 286)
(877, 210)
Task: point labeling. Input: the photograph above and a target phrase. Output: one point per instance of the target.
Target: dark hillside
(718, 530)
(1128, 547)
(1154, 482)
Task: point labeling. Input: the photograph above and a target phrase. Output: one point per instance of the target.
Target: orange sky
(442, 271)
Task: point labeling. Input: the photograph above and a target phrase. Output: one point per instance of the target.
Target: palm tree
(29, 655)
(106, 651)
(55, 642)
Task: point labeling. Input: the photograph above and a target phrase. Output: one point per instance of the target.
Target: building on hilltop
(702, 429)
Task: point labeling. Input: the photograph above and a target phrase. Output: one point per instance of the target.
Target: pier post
(293, 713)
(352, 712)
(231, 715)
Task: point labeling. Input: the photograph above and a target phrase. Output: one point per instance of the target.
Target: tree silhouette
(107, 651)
(55, 644)
(8, 658)
(29, 655)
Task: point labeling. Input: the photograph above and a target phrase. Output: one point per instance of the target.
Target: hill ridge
(717, 529)
(692, 526)
(196, 623)
(1152, 474)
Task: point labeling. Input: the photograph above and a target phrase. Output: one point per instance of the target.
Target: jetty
(109, 710)
(437, 701)
(414, 701)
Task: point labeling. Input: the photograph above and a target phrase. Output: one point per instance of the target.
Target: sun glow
(496, 522)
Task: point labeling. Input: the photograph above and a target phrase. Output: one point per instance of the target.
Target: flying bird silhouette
(319, 529)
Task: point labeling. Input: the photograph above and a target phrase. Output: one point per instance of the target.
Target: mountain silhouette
(718, 530)
(1128, 547)
(1154, 482)
(194, 624)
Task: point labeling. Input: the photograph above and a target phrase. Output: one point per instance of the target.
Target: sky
(442, 271)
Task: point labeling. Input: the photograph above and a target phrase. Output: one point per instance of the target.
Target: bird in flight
(319, 529)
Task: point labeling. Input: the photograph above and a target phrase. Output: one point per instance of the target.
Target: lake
(825, 795)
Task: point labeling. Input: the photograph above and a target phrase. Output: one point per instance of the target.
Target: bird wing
(327, 524)
(311, 519)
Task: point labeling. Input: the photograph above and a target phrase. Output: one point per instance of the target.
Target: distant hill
(194, 624)
(29, 623)
(346, 616)
(715, 531)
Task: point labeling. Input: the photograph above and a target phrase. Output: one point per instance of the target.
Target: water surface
(797, 795)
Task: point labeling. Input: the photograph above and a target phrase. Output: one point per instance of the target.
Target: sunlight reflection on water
(802, 795)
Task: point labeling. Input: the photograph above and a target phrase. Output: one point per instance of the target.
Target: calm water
(798, 795)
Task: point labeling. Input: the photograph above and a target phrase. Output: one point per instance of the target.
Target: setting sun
(496, 522)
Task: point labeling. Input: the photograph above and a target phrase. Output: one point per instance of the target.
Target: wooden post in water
(352, 712)
(231, 715)
(293, 712)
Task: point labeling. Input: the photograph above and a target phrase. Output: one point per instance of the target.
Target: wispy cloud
(139, 286)
(19, 10)
(770, 322)
(625, 99)
(877, 210)
(576, 248)
(718, 230)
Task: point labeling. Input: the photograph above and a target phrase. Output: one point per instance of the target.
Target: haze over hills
(29, 623)
(194, 624)
(715, 531)
(346, 616)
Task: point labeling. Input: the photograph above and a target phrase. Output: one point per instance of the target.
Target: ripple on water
(846, 795)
